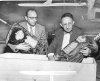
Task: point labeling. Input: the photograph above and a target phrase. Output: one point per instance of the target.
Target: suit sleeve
(43, 39)
(43, 36)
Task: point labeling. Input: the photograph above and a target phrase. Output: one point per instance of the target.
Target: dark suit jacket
(56, 44)
(39, 33)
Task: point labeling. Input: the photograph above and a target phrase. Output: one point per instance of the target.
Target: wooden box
(29, 67)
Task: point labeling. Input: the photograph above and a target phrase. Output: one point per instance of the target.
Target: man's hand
(23, 46)
(81, 39)
(51, 56)
(86, 51)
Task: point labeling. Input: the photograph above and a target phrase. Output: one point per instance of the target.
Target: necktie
(32, 31)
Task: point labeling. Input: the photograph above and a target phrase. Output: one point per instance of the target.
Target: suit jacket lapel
(71, 37)
(25, 26)
(74, 35)
(37, 31)
(61, 40)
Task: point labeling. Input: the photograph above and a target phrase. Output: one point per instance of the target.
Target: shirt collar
(29, 25)
(67, 33)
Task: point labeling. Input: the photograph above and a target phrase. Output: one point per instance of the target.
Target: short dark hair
(67, 15)
(28, 11)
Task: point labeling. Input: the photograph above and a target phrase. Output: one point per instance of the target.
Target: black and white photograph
(50, 40)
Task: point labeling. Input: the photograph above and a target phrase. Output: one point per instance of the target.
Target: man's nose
(34, 19)
(67, 26)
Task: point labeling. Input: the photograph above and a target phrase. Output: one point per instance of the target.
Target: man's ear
(73, 22)
(61, 25)
(25, 17)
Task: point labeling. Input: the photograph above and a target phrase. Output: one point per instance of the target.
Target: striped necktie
(32, 31)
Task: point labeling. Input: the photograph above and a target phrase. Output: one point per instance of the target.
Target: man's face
(31, 18)
(67, 23)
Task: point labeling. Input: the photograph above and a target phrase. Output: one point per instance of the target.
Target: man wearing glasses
(65, 34)
(34, 29)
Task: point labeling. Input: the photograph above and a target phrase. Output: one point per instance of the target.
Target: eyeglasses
(32, 17)
(65, 24)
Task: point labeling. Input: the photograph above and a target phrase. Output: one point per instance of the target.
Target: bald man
(31, 25)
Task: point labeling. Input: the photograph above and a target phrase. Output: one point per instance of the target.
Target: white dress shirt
(29, 29)
(66, 40)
